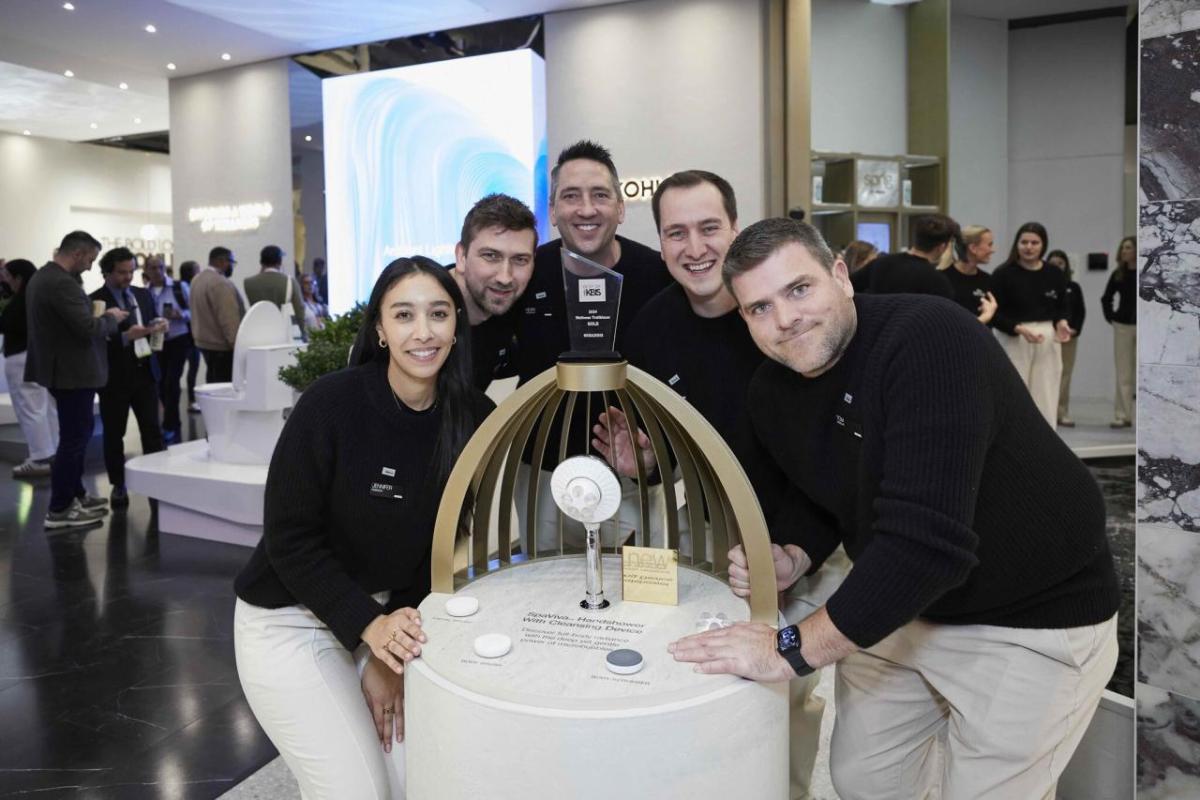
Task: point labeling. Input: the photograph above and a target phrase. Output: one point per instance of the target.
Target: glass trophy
(593, 294)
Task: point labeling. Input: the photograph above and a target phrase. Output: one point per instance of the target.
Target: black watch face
(789, 639)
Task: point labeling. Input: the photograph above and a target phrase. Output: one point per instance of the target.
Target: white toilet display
(244, 418)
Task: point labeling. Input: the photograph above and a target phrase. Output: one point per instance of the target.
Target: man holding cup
(133, 371)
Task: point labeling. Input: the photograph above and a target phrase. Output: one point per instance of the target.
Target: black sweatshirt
(901, 273)
(969, 290)
(1025, 295)
(542, 325)
(14, 325)
(1077, 310)
(349, 507)
(923, 453)
(493, 349)
(1122, 285)
(709, 361)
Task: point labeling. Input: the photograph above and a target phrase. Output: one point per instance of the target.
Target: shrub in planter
(327, 350)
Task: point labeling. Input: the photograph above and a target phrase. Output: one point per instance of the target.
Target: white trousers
(35, 409)
(304, 688)
(1039, 365)
(1125, 354)
(966, 711)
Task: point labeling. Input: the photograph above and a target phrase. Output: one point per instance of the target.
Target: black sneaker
(73, 516)
(90, 502)
(119, 498)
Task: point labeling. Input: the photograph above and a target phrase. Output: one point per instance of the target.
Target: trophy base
(590, 356)
(588, 605)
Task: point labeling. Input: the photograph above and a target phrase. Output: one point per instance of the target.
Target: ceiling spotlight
(151, 29)
(171, 66)
(137, 120)
(69, 6)
(68, 73)
(93, 126)
(26, 131)
(308, 137)
(122, 85)
(225, 56)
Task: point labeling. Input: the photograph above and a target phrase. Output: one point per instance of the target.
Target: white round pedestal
(549, 720)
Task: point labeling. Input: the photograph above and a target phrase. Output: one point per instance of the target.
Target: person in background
(1122, 287)
(331, 587)
(322, 280)
(171, 303)
(66, 354)
(32, 404)
(272, 285)
(216, 314)
(1075, 315)
(1031, 320)
(187, 271)
(858, 254)
(133, 368)
(315, 312)
(963, 267)
(912, 271)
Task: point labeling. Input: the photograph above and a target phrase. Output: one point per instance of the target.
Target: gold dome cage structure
(485, 477)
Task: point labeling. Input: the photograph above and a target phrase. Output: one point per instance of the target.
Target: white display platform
(548, 720)
(199, 497)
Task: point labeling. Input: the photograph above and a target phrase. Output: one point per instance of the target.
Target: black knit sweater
(1028, 295)
(349, 507)
(922, 451)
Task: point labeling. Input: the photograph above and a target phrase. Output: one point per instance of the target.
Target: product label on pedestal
(650, 575)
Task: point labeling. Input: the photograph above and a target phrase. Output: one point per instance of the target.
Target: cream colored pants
(1125, 351)
(1039, 365)
(970, 712)
(1064, 386)
(303, 688)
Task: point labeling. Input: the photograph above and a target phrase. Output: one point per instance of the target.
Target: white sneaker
(74, 515)
(31, 469)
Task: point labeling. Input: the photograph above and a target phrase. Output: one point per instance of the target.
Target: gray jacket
(67, 345)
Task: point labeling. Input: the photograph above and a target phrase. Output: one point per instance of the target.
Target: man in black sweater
(912, 271)
(493, 262)
(586, 206)
(976, 632)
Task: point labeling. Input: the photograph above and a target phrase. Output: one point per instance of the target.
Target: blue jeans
(75, 424)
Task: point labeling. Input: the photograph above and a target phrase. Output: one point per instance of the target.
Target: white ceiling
(104, 43)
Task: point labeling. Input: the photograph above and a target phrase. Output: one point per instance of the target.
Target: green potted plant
(328, 350)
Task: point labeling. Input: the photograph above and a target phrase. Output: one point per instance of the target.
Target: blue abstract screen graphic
(408, 151)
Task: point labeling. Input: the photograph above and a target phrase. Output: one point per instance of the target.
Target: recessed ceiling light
(308, 137)
(68, 73)
(93, 126)
(151, 29)
(137, 120)
(225, 56)
(69, 6)
(171, 65)
(122, 85)
(26, 131)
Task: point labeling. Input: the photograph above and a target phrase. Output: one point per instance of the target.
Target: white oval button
(462, 606)
(492, 645)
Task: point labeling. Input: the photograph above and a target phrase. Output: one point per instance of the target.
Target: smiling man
(975, 633)
(493, 262)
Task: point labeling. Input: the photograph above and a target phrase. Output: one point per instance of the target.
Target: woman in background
(1075, 314)
(963, 267)
(315, 312)
(32, 404)
(1122, 286)
(326, 612)
(1031, 320)
(858, 254)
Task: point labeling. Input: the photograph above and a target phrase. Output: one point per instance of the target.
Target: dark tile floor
(117, 675)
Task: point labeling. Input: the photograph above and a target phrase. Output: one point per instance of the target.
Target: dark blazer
(123, 363)
(66, 343)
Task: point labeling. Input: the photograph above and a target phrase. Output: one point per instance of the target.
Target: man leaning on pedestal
(66, 354)
(975, 634)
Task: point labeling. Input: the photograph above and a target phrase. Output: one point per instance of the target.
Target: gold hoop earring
(454, 341)
(382, 343)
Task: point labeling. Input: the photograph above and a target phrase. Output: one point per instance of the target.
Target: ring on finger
(389, 711)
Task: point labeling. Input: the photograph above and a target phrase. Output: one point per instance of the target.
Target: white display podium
(549, 720)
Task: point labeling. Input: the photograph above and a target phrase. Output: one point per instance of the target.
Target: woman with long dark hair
(1077, 311)
(1122, 286)
(1031, 318)
(326, 612)
(32, 404)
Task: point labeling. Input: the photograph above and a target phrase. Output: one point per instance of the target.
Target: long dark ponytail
(454, 385)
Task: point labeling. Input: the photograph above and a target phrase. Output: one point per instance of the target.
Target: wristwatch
(787, 643)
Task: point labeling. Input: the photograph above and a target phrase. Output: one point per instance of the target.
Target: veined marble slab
(1169, 282)
(1169, 446)
(1168, 745)
(1170, 137)
(1161, 17)
(1168, 586)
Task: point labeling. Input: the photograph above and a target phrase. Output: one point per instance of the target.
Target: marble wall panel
(1168, 764)
(1169, 446)
(1168, 586)
(1170, 117)
(1169, 282)
(1162, 17)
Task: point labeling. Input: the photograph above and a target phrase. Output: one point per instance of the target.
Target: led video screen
(408, 151)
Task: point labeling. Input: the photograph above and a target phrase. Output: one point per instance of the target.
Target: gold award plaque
(650, 575)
